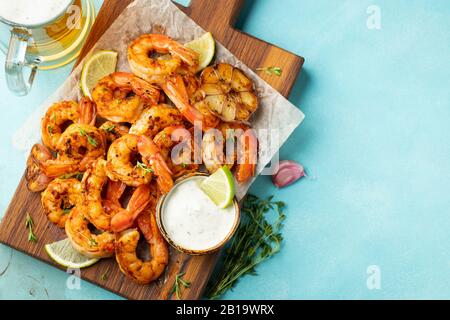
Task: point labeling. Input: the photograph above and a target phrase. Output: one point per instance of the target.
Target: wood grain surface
(217, 16)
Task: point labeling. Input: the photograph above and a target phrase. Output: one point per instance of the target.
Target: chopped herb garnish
(76, 175)
(53, 117)
(184, 165)
(30, 224)
(93, 242)
(142, 166)
(66, 211)
(271, 70)
(255, 241)
(89, 138)
(178, 283)
(109, 128)
(50, 129)
(105, 275)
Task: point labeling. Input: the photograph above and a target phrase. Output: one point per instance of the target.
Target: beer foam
(32, 12)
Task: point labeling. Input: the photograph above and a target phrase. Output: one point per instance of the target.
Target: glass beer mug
(43, 34)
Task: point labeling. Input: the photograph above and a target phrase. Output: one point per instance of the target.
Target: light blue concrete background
(375, 143)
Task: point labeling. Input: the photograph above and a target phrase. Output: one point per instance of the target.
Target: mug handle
(15, 62)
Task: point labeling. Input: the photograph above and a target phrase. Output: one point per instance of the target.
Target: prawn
(90, 244)
(59, 198)
(142, 272)
(228, 92)
(93, 182)
(176, 145)
(156, 118)
(36, 179)
(124, 218)
(56, 119)
(121, 97)
(153, 158)
(78, 146)
(244, 148)
(175, 88)
(119, 165)
(145, 66)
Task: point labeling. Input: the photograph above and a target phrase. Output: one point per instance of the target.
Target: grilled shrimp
(142, 272)
(120, 164)
(121, 97)
(36, 178)
(153, 158)
(156, 118)
(90, 244)
(93, 182)
(78, 146)
(82, 142)
(228, 92)
(124, 218)
(175, 88)
(176, 145)
(114, 191)
(56, 119)
(59, 198)
(145, 66)
(241, 147)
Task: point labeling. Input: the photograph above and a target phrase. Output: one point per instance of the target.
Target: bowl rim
(178, 246)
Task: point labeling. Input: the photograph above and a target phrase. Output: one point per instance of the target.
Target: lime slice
(97, 66)
(219, 187)
(65, 255)
(205, 46)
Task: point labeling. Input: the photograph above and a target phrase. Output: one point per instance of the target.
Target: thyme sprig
(76, 175)
(142, 166)
(105, 275)
(29, 224)
(109, 128)
(89, 138)
(271, 70)
(179, 281)
(255, 241)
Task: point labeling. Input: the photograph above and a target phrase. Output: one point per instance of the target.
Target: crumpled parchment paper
(275, 119)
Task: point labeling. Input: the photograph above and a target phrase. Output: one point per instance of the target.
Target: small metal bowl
(179, 247)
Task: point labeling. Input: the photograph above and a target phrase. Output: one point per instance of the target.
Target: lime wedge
(97, 66)
(219, 187)
(65, 255)
(205, 46)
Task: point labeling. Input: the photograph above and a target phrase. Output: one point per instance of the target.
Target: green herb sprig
(105, 275)
(109, 128)
(272, 70)
(179, 282)
(89, 138)
(255, 241)
(29, 224)
(76, 175)
(142, 166)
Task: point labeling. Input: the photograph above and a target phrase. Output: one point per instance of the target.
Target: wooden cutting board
(217, 16)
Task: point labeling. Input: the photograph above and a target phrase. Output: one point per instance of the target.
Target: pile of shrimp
(131, 140)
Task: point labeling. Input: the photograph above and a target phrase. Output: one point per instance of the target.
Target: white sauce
(32, 12)
(192, 220)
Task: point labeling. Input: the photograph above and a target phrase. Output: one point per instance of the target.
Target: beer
(58, 28)
(32, 12)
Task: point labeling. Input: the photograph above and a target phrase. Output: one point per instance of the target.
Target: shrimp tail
(56, 168)
(146, 90)
(138, 202)
(248, 146)
(36, 179)
(152, 155)
(88, 111)
(175, 89)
